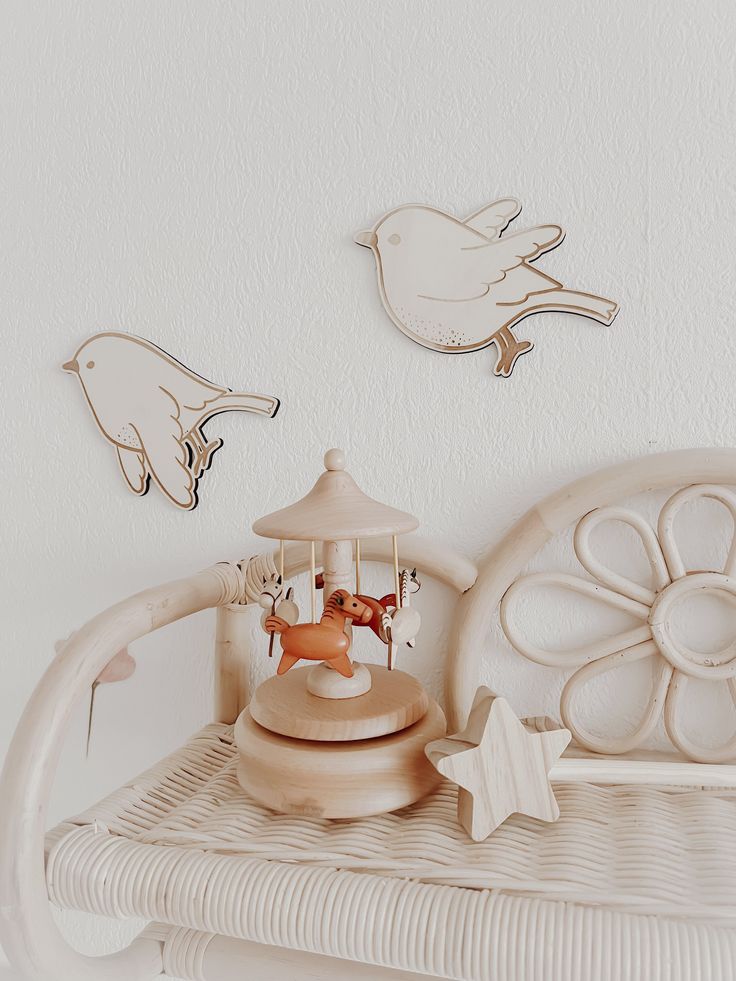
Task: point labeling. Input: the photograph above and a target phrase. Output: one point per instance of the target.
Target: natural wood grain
(283, 705)
(500, 766)
(335, 509)
(338, 780)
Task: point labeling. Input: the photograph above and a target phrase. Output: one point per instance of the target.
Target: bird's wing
(491, 220)
(526, 246)
(190, 389)
(162, 439)
(479, 268)
(134, 470)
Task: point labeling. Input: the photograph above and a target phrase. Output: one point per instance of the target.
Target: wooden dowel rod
(395, 543)
(281, 560)
(313, 571)
(357, 565)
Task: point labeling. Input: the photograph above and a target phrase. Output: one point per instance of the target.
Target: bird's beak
(367, 238)
(72, 365)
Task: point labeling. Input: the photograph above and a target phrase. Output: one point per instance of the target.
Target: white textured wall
(193, 173)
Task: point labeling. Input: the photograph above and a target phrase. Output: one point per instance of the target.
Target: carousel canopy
(334, 510)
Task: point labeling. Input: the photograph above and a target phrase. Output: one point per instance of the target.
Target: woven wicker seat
(192, 801)
(633, 882)
(186, 823)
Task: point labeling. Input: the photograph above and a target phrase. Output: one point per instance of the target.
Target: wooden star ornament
(500, 765)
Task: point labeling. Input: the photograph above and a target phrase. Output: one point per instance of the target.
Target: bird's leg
(202, 455)
(509, 349)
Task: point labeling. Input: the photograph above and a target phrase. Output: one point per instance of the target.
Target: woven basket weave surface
(638, 849)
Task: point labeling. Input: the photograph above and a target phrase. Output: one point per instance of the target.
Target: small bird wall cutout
(152, 409)
(458, 285)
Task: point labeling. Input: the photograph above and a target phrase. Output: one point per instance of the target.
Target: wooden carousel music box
(337, 739)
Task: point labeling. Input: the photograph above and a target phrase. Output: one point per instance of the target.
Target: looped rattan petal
(666, 524)
(673, 711)
(660, 684)
(588, 652)
(596, 568)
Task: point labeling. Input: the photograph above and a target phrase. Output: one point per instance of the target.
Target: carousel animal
(386, 621)
(271, 600)
(323, 641)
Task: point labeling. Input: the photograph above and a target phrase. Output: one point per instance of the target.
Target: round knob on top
(334, 460)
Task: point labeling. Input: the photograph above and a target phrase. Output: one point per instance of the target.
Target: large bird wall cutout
(456, 285)
(152, 410)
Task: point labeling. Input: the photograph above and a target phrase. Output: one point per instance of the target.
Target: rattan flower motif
(653, 638)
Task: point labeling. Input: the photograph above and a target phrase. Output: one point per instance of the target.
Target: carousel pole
(397, 593)
(313, 584)
(395, 543)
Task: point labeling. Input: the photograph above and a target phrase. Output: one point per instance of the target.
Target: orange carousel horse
(323, 641)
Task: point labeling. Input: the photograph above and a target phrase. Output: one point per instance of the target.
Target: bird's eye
(394, 239)
(90, 364)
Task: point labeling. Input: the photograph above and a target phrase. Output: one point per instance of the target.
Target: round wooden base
(338, 780)
(283, 705)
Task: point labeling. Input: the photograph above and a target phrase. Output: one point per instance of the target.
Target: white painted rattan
(633, 882)
(140, 851)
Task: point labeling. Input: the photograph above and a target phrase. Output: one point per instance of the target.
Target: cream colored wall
(193, 173)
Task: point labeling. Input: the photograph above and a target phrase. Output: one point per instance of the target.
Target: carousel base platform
(338, 758)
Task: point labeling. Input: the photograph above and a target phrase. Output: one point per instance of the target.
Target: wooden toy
(272, 590)
(394, 623)
(459, 285)
(409, 585)
(313, 739)
(323, 641)
(153, 410)
(500, 765)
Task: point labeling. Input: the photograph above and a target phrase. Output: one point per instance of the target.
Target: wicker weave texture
(628, 848)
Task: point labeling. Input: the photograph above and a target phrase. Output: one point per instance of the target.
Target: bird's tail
(266, 405)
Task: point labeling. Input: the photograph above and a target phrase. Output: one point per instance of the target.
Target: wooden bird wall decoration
(152, 409)
(457, 285)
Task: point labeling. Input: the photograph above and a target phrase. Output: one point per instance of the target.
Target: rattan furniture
(635, 880)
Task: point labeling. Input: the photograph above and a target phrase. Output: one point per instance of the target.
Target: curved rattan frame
(501, 566)
(28, 933)
(34, 945)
